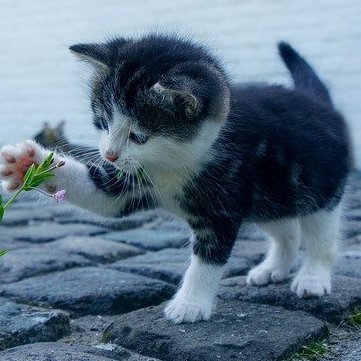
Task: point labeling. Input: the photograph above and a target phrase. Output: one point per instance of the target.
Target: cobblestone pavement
(79, 288)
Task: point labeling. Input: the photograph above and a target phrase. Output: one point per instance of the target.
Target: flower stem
(42, 192)
(58, 165)
(12, 199)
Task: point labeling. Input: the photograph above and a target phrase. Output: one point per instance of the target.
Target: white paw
(181, 311)
(263, 274)
(311, 286)
(16, 160)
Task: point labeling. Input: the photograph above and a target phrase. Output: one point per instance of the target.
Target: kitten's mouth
(127, 166)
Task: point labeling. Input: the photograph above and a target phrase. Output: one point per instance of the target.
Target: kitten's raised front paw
(311, 285)
(262, 275)
(16, 160)
(181, 311)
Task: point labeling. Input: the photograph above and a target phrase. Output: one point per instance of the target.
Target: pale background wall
(40, 79)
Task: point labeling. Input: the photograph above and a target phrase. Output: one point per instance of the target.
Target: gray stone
(95, 248)
(20, 324)
(27, 262)
(237, 266)
(348, 264)
(170, 264)
(135, 220)
(352, 243)
(44, 232)
(238, 331)
(53, 352)
(151, 239)
(48, 351)
(252, 250)
(15, 217)
(167, 265)
(352, 351)
(168, 272)
(355, 213)
(11, 245)
(88, 330)
(351, 228)
(90, 290)
(353, 354)
(250, 231)
(345, 296)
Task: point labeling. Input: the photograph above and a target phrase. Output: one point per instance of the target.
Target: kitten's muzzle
(112, 157)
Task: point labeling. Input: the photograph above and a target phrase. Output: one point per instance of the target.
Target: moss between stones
(311, 351)
(354, 319)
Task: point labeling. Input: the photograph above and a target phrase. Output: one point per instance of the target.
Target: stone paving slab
(121, 224)
(343, 344)
(170, 264)
(254, 250)
(95, 248)
(48, 231)
(112, 276)
(31, 261)
(89, 290)
(352, 351)
(49, 351)
(349, 264)
(345, 296)
(350, 228)
(238, 331)
(20, 324)
(61, 352)
(23, 216)
(150, 239)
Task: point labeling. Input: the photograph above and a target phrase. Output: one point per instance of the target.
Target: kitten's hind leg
(285, 239)
(320, 233)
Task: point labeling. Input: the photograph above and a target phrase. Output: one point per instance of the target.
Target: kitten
(216, 153)
(54, 138)
(51, 137)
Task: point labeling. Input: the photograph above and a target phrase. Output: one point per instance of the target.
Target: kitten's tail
(304, 77)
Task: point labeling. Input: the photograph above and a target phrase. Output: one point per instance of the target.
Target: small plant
(35, 175)
(310, 352)
(140, 174)
(355, 318)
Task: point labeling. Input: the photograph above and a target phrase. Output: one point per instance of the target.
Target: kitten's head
(51, 137)
(159, 102)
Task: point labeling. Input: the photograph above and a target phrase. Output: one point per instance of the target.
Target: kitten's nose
(112, 157)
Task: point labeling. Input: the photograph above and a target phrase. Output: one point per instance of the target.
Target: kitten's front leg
(74, 177)
(195, 299)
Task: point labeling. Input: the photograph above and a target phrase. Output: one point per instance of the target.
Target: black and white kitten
(216, 153)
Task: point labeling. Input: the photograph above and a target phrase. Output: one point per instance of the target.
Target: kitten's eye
(103, 125)
(138, 138)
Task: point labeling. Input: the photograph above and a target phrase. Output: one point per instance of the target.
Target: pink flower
(59, 196)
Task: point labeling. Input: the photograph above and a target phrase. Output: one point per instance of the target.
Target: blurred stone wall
(40, 79)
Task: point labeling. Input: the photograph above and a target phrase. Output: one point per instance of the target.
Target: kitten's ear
(46, 126)
(181, 98)
(100, 55)
(95, 54)
(60, 126)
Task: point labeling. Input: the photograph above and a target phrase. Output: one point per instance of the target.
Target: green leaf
(2, 211)
(120, 174)
(3, 252)
(37, 180)
(46, 163)
(140, 175)
(29, 174)
(1, 199)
